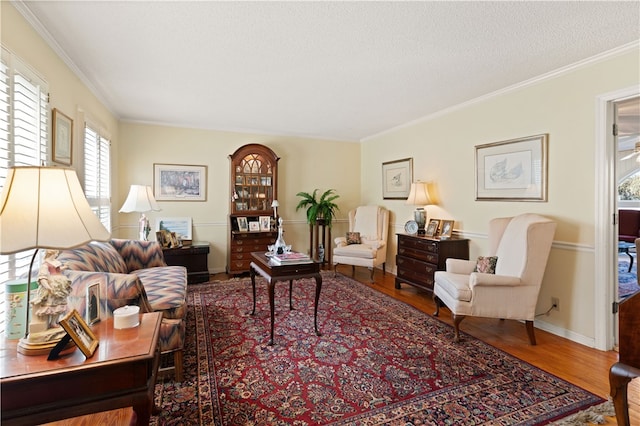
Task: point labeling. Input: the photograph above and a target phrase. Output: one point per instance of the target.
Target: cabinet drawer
(411, 250)
(415, 270)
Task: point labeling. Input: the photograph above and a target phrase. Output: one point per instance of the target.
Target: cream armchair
(521, 245)
(372, 224)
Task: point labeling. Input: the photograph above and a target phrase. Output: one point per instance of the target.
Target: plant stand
(315, 241)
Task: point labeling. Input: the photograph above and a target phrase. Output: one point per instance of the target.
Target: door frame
(606, 217)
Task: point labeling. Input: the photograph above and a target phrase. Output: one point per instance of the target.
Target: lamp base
(420, 216)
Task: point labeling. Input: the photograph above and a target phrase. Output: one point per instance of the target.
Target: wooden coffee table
(272, 273)
(121, 373)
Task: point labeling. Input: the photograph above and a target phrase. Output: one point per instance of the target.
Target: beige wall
(67, 92)
(305, 164)
(443, 153)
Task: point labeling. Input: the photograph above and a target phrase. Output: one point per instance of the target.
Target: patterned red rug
(378, 361)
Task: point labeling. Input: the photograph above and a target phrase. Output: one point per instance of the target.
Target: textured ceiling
(337, 70)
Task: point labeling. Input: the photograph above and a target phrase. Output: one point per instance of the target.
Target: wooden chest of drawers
(420, 257)
(242, 244)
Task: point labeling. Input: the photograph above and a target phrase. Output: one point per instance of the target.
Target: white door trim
(605, 182)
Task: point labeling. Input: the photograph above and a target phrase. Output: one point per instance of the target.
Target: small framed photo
(447, 228)
(243, 225)
(432, 228)
(62, 137)
(93, 304)
(265, 223)
(80, 333)
(180, 225)
(254, 226)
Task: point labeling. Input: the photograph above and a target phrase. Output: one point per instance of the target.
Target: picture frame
(80, 333)
(243, 224)
(512, 170)
(254, 226)
(447, 229)
(265, 223)
(396, 179)
(62, 137)
(432, 228)
(179, 182)
(93, 303)
(182, 226)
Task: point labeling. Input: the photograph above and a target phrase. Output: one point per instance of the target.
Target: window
(97, 175)
(23, 142)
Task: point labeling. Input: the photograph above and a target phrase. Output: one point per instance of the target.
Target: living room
(561, 104)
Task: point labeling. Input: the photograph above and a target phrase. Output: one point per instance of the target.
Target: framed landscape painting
(179, 182)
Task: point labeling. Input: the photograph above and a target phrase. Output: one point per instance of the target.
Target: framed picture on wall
(62, 137)
(396, 179)
(179, 182)
(512, 170)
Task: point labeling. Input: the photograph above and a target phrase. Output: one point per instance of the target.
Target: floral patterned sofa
(132, 272)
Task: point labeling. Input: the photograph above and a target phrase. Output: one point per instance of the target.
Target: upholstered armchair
(367, 242)
(518, 250)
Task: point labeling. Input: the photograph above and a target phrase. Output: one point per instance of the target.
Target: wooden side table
(121, 373)
(420, 257)
(193, 257)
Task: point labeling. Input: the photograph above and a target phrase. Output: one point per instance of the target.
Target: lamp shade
(419, 194)
(140, 199)
(45, 207)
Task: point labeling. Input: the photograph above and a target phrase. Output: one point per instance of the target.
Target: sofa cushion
(95, 257)
(138, 254)
(356, 250)
(166, 289)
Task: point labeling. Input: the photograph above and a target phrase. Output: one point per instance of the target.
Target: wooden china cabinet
(253, 187)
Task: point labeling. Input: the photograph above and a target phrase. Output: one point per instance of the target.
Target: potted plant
(319, 209)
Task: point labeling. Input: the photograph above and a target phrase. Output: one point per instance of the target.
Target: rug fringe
(593, 415)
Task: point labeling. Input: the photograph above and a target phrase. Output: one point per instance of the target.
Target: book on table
(291, 257)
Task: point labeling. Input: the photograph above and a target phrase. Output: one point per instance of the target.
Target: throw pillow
(486, 264)
(353, 238)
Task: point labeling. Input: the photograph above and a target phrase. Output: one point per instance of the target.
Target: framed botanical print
(62, 137)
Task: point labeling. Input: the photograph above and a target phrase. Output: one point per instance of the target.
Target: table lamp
(419, 196)
(44, 208)
(275, 204)
(140, 200)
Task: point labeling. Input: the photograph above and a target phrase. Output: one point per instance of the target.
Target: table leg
(630, 259)
(315, 307)
(143, 413)
(272, 284)
(252, 272)
(290, 293)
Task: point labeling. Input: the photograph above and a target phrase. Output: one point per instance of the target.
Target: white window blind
(97, 174)
(24, 130)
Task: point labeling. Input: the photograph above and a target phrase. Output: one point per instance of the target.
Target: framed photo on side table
(62, 137)
(447, 229)
(432, 228)
(93, 303)
(80, 333)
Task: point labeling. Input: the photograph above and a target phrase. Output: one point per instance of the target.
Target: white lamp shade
(140, 199)
(275, 203)
(44, 207)
(419, 194)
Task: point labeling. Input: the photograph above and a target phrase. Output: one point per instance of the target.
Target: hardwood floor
(578, 364)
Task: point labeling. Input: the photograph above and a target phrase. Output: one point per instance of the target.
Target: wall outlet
(555, 303)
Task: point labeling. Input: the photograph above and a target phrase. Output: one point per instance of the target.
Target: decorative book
(290, 258)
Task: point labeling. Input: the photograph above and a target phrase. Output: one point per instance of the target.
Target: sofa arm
(340, 241)
(139, 254)
(480, 279)
(116, 290)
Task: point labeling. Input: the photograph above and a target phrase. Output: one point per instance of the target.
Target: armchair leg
(438, 303)
(457, 319)
(530, 332)
(335, 270)
(384, 268)
(372, 271)
(353, 271)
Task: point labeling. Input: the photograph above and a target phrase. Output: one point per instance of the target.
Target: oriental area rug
(378, 361)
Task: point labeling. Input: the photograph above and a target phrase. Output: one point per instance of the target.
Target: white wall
(443, 152)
